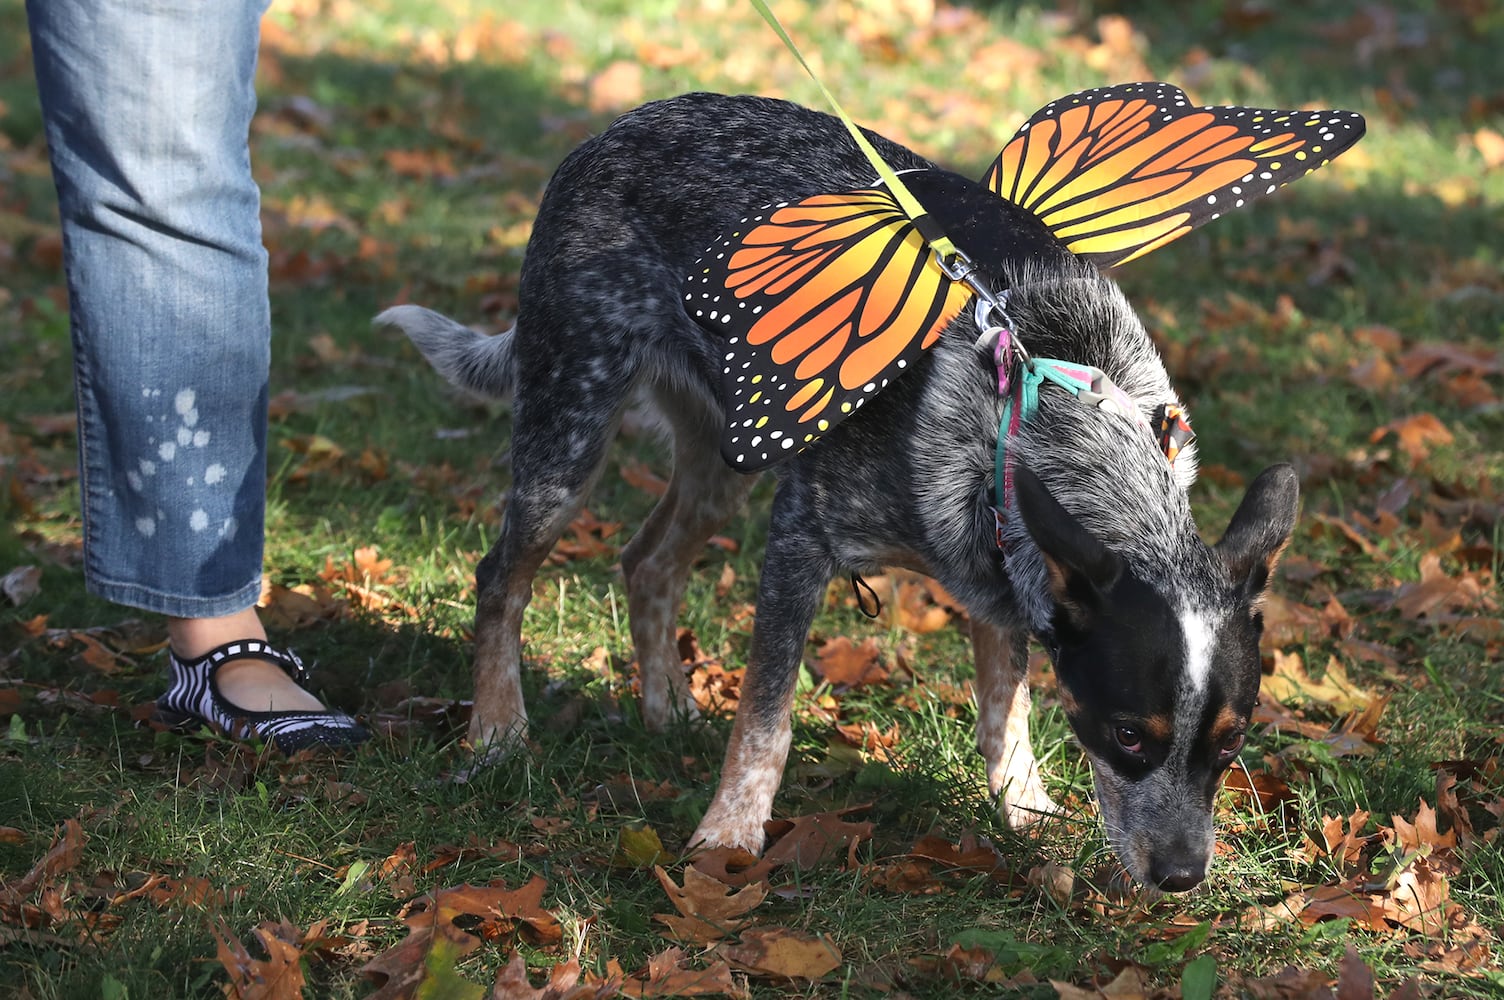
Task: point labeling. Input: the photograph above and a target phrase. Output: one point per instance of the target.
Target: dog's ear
(1081, 569)
(1260, 529)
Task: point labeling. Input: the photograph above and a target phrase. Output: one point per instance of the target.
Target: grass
(434, 129)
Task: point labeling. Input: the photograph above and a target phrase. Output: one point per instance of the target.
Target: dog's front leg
(795, 571)
(1002, 691)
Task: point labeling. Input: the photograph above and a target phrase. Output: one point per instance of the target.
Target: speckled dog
(1153, 634)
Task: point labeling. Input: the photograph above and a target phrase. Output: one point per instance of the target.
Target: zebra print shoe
(193, 699)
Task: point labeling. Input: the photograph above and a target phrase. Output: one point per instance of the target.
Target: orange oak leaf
(61, 857)
(805, 841)
(451, 923)
(781, 953)
(709, 910)
(1416, 434)
(279, 976)
(563, 983)
(844, 663)
(1130, 984)
(666, 976)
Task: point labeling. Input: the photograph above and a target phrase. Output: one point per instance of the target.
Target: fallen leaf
(1490, 146)
(563, 983)
(1355, 979)
(867, 737)
(1421, 834)
(618, 87)
(638, 476)
(805, 841)
(1421, 898)
(1290, 983)
(61, 857)
(450, 923)
(781, 953)
(586, 538)
(279, 976)
(1130, 984)
(1438, 593)
(1416, 434)
(1290, 680)
(666, 976)
(844, 663)
(638, 846)
(709, 910)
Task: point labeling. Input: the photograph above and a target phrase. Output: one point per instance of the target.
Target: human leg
(148, 107)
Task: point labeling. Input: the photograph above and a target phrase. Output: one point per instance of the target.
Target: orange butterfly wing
(822, 302)
(1117, 171)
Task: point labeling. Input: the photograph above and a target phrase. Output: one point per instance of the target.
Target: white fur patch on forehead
(1198, 629)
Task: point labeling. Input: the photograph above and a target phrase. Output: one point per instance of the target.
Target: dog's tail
(466, 358)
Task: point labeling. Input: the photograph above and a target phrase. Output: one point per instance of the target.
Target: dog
(1153, 634)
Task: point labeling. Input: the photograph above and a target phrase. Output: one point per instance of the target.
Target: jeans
(147, 105)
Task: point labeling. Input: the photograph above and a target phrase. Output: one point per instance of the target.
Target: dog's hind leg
(795, 571)
(1002, 691)
(702, 495)
(562, 426)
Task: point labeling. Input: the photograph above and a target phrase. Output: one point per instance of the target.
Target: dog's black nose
(1177, 876)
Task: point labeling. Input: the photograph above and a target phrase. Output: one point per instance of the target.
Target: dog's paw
(731, 831)
(660, 716)
(493, 743)
(1026, 803)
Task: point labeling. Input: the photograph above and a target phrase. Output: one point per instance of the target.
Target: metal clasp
(991, 308)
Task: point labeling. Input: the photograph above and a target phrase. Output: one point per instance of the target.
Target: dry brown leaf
(1439, 593)
(666, 976)
(1452, 809)
(1421, 834)
(805, 842)
(1290, 983)
(844, 663)
(639, 476)
(455, 921)
(617, 87)
(61, 857)
(279, 976)
(563, 983)
(398, 871)
(1421, 899)
(1264, 787)
(1365, 909)
(1416, 434)
(1290, 681)
(716, 688)
(1490, 146)
(781, 953)
(1344, 844)
(1130, 984)
(1355, 980)
(709, 909)
(588, 537)
(867, 737)
(971, 854)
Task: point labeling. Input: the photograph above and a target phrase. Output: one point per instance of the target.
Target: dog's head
(1159, 678)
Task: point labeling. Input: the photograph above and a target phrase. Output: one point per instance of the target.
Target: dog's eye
(1231, 746)
(1129, 739)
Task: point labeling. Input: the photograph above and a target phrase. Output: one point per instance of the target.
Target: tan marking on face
(1226, 725)
(1159, 728)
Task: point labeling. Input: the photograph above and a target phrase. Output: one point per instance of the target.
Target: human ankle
(193, 637)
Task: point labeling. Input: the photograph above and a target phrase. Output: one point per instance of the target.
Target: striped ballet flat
(193, 699)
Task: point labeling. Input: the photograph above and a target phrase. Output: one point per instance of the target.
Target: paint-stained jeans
(148, 106)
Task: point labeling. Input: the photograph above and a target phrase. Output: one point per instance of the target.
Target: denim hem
(175, 605)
